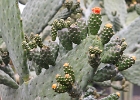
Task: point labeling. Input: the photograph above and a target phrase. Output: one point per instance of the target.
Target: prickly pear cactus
(67, 76)
(11, 15)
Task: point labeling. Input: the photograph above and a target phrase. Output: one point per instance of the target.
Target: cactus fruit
(125, 62)
(40, 63)
(67, 83)
(114, 96)
(95, 21)
(107, 33)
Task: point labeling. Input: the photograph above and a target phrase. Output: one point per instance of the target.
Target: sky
(21, 7)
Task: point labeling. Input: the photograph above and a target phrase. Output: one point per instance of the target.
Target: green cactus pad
(118, 6)
(131, 35)
(54, 48)
(105, 73)
(34, 20)
(64, 38)
(137, 8)
(83, 72)
(7, 80)
(8, 70)
(12, 34)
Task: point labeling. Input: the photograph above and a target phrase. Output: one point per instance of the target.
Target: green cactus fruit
(105, 73)
(94, 50)
(113, 51)
(47, 55)
(112, 55)
(75, 6)
(54, 47)
(75, 91)
(59, 88)
(83, 27)
(26, 46)
(67, 80)
(53, 33)
(107, 33)
(38, 40)
(137, 8)
(69, 70)
(125, 62)
(74, 34)
(32, 44)
(90, 91)
(68, 5)
(5, 58)
(94, 56)
(26, 38)
(64, 39)
(114, 96)
(39, 60)
(7, 80)
(60, 79)
(94, 21)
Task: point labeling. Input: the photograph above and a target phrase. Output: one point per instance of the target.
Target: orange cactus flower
(66, 65)
(96, 10)
(67, 76)
(54, 86)
(57, 75)
(134, 57)
(109, 25)
(118, 94)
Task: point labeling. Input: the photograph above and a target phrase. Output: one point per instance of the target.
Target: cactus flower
(96, 10)
(109, 25)
(134, 57)
(66, 65)
(67, 76)
(118, 94)
(54, 86)
(57, 75)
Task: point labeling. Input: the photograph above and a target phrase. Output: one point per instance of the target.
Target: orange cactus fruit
(96, 10)
(54, 86)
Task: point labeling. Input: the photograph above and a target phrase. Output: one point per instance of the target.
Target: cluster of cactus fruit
(75, 30)
(112, 54)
